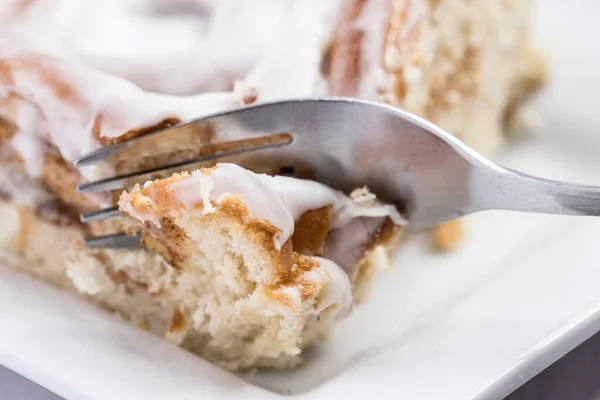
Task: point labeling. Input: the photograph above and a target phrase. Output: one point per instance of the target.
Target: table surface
(576, 377)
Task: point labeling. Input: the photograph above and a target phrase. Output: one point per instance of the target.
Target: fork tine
(115, 241)
(99, 155)
(104, 153)
(119, 181)
(100, 215)
(204, 122)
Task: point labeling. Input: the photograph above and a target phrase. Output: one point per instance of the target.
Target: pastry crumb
(363, 197)
(448, 235)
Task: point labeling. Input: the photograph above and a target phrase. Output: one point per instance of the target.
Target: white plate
(477, 323)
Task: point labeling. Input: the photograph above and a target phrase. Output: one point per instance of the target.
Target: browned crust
(179, 321)
(308, 289)
(142, 325)
(62, 179)
(263, 233)
(311, 230)
(154, 239)
(7, 128)
(20, 240)
(132, 133)
(343, 70)
(7, 131)
(447, 236)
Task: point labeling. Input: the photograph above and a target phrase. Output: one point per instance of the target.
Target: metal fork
(346, 143)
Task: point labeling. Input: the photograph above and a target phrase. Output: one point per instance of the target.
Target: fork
(345, 143)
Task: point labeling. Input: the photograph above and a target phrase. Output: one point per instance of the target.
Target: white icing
(229, 179)
(298, 53)
(26, 141)
(154, 45)
(189, 191)
(31, 150)
(163, 48)
(244, 92)
(337, 290)
(97, 98)
(187, 108)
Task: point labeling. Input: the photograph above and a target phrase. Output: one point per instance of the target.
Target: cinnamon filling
(344, 55)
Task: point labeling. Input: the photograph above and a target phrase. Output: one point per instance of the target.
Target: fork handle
(512, 190)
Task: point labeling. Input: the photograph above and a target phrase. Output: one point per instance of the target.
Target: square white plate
(520, 293)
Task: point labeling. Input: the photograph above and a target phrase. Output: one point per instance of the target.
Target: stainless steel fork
(345, 143)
